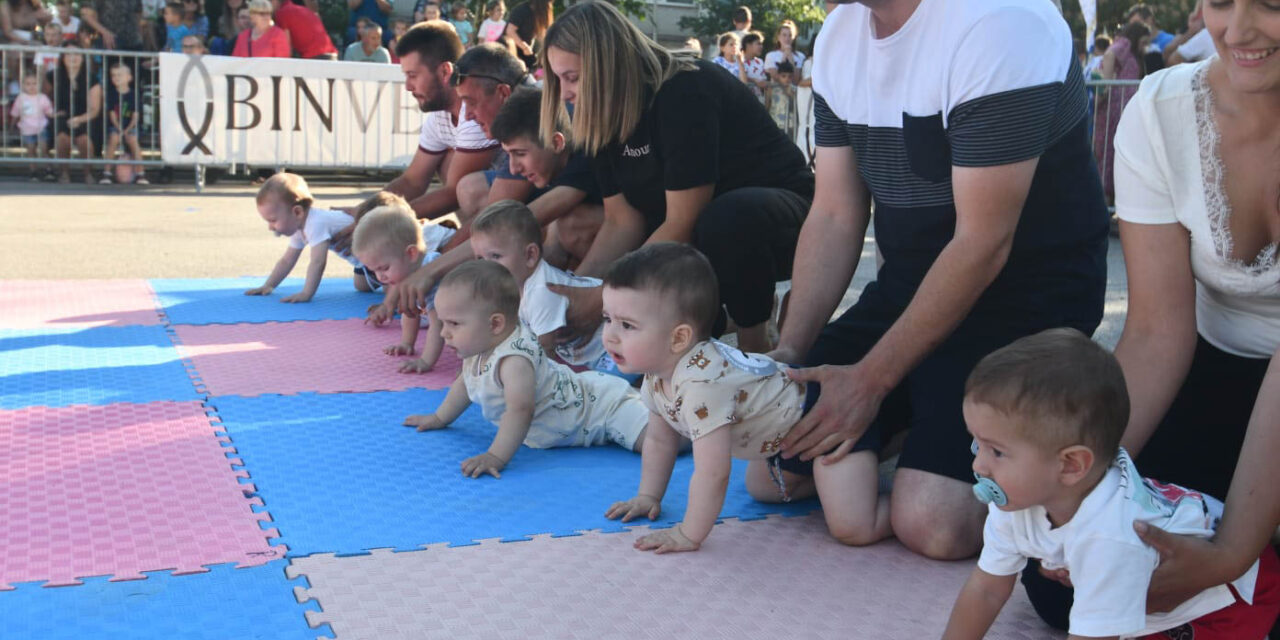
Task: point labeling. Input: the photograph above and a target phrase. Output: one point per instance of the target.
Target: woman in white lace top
(1198, 196)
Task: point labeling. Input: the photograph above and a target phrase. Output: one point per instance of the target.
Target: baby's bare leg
(761, 486)
(856, 513)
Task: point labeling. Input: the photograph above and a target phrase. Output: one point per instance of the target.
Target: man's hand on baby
(260, 291)
(641, 505)
(425, 422)
(416, 365)
(399, 349)
(666, 541)
(297, 297)
(340, 240)
(476, 466)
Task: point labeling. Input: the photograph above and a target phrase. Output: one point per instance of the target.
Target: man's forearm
(407, 187)
(434, 204)
(615, 238)
(827, 254)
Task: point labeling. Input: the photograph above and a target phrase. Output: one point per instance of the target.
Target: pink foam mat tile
(120, 489)
(771, 578)
(34, 304)
(326, 356)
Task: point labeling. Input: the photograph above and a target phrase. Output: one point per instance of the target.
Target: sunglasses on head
(459, 76)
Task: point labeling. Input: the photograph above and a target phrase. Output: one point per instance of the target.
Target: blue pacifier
(988, 492)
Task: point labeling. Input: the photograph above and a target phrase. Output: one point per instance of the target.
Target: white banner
(273, 112)
(1090, 10)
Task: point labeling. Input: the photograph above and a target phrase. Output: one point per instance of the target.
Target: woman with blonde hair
(263, 39)
(785, 41)
(682, 152)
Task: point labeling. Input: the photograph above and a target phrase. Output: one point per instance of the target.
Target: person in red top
(305, 30)
(263, 39)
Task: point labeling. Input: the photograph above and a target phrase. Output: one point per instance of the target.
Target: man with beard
(451, 144)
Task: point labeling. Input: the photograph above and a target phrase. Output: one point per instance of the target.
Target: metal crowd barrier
(18, 61)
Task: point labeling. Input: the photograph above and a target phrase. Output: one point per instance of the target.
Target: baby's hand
(297, 297)
(641, 505)
(476, 466)
(666, 541)
(377, 315)
(260, 291)
(424, 422)
(416, 365)
(401, 349)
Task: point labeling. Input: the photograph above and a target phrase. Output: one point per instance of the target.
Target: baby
(389, 241)
(285, 203)
(507, 233)
(33, 110)
(1047, 413)
(532, 398)
(659, 305)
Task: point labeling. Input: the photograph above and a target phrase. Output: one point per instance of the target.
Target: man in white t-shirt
(450, 145)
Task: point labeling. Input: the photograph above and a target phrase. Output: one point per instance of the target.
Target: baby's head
(388, 241)
(477, 305)
(121, 76)
(283, 202)
(1046, 413)
(507, 233)
(30, 81)
(659, 301)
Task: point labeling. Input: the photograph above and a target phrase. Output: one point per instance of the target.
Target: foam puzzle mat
(220, 604)
(222, 301)
(179, 460)
(327, 356)
(774, 578)
(120, 489)
(62, 366)
(77, 303)
(340, 474)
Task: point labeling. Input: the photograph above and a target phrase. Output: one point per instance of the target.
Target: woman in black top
(77, 100)
(526, 24)
(683, 152)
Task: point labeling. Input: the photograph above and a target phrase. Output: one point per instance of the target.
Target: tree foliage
(716, 16)
(1171, 15)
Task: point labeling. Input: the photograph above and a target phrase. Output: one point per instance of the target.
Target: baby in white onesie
(533, 399)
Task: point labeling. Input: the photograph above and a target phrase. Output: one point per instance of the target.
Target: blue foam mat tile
(222, 301)
(102, 365)
(225, 602)
(340, 474)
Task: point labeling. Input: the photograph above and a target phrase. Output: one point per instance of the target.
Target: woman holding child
(1199, 210)
(682, 152)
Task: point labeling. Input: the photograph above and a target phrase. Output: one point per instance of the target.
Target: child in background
(494, 24)
(285, 203)
(388, 241)
(781, 100)
(730, 57)
(462, 24)
(47, 61)
(1047, 413)
(194, 18)
(431, 11)
(122, 121)
(33, 110)
(67, 21)
(753, 64)
(660, 303)
(532, 398)
(398, 28)
(174, 27)
(506, 232)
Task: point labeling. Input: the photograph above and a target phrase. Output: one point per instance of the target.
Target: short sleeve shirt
(969, 84)
(1198, 47)
(719, 386)
(578, 174)
(320, 226)
(703, 127)
(441, 135)
(544, 311)
(772, 59)
(1110, 565)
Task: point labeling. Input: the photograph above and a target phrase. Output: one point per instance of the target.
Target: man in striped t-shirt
(965, 122)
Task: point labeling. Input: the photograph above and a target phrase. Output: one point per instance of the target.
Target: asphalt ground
(77, 231)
